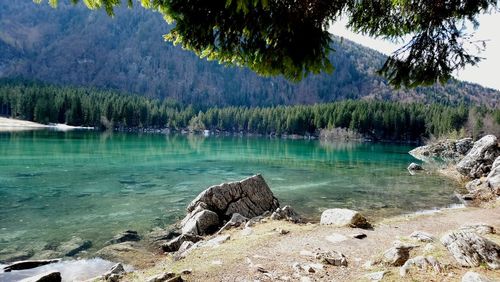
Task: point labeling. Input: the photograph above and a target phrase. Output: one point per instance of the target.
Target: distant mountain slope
(73, 46)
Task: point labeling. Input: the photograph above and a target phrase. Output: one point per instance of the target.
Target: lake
(55, 185)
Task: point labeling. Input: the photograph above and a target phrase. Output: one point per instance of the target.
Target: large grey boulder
(249, 197)
(343, 217)
(447, 150)
(480, 158)
(470, 250)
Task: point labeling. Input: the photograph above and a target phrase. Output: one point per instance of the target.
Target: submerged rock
(470, 250)
(28, 264)
(131, 253)
(74, 246)
(53, 276)
(479, 159)
(343, 217)
(413, 167)
(125, 236)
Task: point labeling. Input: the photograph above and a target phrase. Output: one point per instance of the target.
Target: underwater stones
(249, 197)
(131, 253)
(128, 235)
(479, 159)
(470, 250)
(28, 264)
(73, 246)
(343, 217)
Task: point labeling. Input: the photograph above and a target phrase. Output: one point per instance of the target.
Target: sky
(486, 73)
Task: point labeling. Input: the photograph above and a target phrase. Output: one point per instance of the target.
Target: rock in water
(480, 158)
(28, 264)
(74, 246)
(249, 197)
(53, 276)
(448, 150)
(413, 167)
(470, 249)
(125, 236)
(343, 217)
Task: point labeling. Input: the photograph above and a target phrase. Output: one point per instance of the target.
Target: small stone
(429, 247)
(286, 213)
(358, 235)
(376, 276)
(260, 269)
(161, 277)
(217, 262)
(305, 279)
(474, 277)
(283, 231)
(307, 253)
(422, 236)
(398, 254)
(116, 270)
(332, 257)
(74, 246)
(247, 231)
(336, 238)
(217, 241)
(368, 265)
(125, 236)
(186, 271)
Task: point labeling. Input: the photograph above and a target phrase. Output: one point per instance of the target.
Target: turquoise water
(55, 185)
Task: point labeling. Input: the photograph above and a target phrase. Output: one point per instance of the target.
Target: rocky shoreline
(238, 232)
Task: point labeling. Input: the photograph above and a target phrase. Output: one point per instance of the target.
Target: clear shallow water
(55, 185)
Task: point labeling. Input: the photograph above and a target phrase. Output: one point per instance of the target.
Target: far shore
(10, 125)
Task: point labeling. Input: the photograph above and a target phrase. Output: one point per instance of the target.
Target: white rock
(336, 238)
(343, 217)
(474, 277)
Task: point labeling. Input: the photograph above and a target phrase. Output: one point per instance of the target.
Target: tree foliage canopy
(291, 38)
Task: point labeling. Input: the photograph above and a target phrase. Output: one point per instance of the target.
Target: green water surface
(55, 185)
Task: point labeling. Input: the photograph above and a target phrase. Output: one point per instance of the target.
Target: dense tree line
(106, 109)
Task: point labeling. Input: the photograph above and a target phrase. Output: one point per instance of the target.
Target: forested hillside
(74, 46)
(106, 109)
